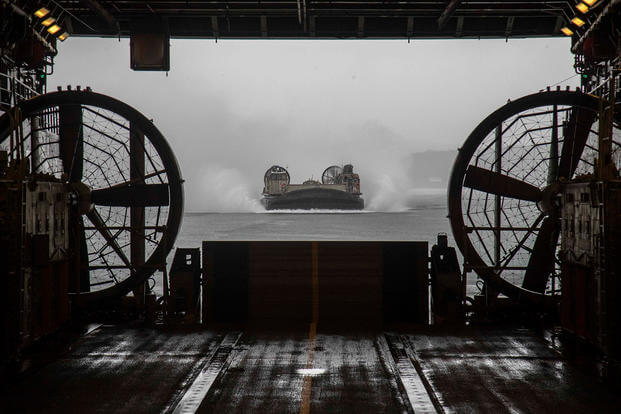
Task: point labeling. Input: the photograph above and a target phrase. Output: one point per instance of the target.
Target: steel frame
(319, 18)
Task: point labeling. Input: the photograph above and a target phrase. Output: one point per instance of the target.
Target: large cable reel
(505, 188)
(122, 175)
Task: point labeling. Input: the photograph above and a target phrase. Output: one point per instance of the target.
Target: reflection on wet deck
(121, 369)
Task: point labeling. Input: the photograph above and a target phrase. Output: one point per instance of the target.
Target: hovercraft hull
(314, 198)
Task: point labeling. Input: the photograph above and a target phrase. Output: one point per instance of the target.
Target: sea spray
(385, 194)
(225, 190)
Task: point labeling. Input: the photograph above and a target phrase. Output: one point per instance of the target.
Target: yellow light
(567, 31)
(582, 7)
(63, 36)
(42, 12)
(589, 2)
(48, 21)
(53, 29)
(577, 21)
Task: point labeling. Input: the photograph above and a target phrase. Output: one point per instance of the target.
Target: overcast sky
(233, 108)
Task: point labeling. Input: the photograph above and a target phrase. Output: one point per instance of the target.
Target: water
(410, 225)
(426, 217)
(422, 222)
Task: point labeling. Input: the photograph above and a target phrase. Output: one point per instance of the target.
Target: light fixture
(590, 2)
(41, 13)
(48, 21)
(582, 7)
(577, 21)
(53, 29)
(63, 36)
(567, 31)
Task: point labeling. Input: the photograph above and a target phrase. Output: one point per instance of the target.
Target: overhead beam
(509, 27)
(360, 26)
(410, 28)
(214, 27)
(107, 17)
(311, 25)
(337, 19)
(460, 26)
(447, 13)
(263, 26)
(558, 24)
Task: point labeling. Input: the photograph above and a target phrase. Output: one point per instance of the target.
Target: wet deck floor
(133, 370)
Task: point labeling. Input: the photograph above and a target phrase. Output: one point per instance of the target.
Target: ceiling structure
(297, 19)
(31, 28)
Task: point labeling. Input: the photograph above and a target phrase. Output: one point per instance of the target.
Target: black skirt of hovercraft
(314, 198)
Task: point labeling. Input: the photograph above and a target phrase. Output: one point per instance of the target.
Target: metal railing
(15, 87)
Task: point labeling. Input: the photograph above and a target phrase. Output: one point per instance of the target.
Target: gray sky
(233, 108)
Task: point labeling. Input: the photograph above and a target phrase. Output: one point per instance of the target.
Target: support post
(553, 165)
(137, 220)
(497, 200)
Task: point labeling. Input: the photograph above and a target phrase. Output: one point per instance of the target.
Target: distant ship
(339, 189)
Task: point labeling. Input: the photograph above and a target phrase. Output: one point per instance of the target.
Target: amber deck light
(63, 36)
(583, 8)
(577, 21)
(48, 21)
(567, 31)
(589, 2)
(41, 13)
(53, 29)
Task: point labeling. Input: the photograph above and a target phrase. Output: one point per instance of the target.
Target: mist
(232, 109)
